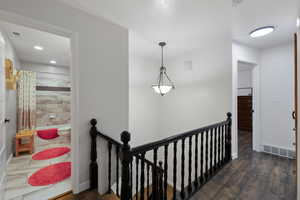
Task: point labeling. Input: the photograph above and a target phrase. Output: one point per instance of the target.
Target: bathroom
(35, 103)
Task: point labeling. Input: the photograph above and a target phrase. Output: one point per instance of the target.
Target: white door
(2, 118)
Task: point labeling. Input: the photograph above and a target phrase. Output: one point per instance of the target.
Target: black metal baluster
(201, 158)
(196, 159)
(182, 166)
(131, 181)
(148, 182)
(206, 155)
(219, 146)
(190, 164)
(142, 176)
(215, 148)
(136, 178)
(109, 166)
(211, 151)
(154, 175)
(174, 169)
(223, 141)
(117, 157)
(166, 173)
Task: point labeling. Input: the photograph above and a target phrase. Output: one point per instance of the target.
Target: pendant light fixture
(164, 83)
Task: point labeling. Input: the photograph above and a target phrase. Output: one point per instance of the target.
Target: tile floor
(20, 168)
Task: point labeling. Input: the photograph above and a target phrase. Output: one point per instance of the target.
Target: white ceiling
(251, 14)
(55, 47)
(183, 24)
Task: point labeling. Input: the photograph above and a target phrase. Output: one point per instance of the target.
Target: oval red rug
(48, 134)
(51, 153)
(51, 174)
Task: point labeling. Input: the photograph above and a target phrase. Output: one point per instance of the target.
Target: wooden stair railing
(126, 163)
(208, 150)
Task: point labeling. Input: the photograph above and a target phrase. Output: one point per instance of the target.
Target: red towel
(48, 134)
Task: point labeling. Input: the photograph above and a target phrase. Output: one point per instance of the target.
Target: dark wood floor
(253, 176)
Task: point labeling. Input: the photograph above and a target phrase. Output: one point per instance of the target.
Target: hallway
(253, 176)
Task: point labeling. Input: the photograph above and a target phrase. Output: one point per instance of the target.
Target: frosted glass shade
(262, 31)
(162, 89)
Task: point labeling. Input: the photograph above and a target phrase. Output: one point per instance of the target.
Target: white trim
(84, 186)
(234, 156)
(74, 112)
(35, 24)
(9, 159)
(256, 108)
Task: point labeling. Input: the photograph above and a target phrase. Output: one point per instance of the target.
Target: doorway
(38, 142)
(245, 107)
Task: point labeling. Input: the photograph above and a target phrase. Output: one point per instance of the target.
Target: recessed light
(262, 31)
(40, 48)
(298, 22)
(53, 62)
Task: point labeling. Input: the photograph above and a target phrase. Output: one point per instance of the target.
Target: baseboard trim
(234, 156)
(84, 186)
(9, 159)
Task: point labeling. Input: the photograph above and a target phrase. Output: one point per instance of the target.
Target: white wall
(298, 119)
(144, 104)
(277, 96)
(272, 78)
(242, 53)
(11, 99)
(49, 75)
(100, 80)
(203, 94)
(244, 81)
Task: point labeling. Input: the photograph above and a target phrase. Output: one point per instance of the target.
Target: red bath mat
(51, 153)
(48, 134)
(51, 174)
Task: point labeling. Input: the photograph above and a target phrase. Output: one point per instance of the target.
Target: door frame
(2, 123)
(256, 137)
(74, 43)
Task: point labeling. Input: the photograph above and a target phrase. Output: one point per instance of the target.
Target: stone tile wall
(53, 108)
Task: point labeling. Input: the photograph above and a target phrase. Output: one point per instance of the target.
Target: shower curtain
(26, 101)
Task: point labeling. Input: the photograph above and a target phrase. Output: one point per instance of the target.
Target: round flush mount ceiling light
(52, 61)
(262, 31)
(37, 47)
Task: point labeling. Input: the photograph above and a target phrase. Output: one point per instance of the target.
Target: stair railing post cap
(125, 137)
(229, 114)
(93, 122)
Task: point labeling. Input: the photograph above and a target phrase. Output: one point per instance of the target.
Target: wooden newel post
(228, 138)
(126, 160)
(93, 164)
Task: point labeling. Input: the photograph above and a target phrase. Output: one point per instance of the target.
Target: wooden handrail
(171, 139)
(216, 155)
(109, 139)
